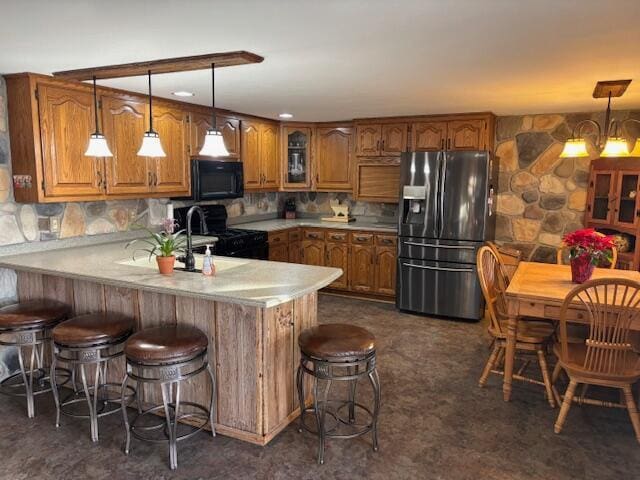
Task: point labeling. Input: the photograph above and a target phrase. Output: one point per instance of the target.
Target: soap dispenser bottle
(208, 268)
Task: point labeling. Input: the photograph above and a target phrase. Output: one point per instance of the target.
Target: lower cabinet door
(313, 252)
(337, 256)
(279, 253)
(385, 270)
(361, 269)
(295, 252)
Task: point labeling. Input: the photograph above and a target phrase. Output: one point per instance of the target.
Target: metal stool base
(349, 370)
(98, 403)
(169, 376)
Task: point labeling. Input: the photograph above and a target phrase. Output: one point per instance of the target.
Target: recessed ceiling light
(183, 93)
(285, 115)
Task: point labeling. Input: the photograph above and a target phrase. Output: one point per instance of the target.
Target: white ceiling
(343, 59)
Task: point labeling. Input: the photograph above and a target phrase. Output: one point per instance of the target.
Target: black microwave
(215, 179)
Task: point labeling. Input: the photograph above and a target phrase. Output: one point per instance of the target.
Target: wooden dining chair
(562, 256)
(606, 357)
(533, 337)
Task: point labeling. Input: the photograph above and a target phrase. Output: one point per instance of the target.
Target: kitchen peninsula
(252, 311)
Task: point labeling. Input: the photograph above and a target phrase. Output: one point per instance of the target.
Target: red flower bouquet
(587, 249)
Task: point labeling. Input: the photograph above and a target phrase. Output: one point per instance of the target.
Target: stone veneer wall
(541, 196)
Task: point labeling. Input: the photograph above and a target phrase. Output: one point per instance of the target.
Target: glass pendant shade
(636, 149)
(574, 148)
(615, 147)
(98, 146)
(151, 146)
(214, 145)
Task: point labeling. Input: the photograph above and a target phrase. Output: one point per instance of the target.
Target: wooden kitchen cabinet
(428, 136)
(124, 122)
(297, 157)
(466, 135)
(361, 269)
(50, 124)
(335, 162)
(260, 156)
(313, 252)
(171, 174)
(337, 256)
(229, 128)
(279, 253)
(378, 180)
(66, 121)
(385, 264)
(295, 252)
(388, 139)
(269, 156)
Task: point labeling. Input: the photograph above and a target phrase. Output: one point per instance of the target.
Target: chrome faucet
(188, 259)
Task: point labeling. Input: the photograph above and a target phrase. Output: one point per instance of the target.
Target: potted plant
(163, 244)
(587, 249)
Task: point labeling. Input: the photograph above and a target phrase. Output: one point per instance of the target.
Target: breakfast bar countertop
(241, 281)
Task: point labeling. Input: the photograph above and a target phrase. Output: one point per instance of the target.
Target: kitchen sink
(221, 263)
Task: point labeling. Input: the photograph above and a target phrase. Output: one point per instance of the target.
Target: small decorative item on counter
(163, 245)
(290, 209)
(587, 249)
(208, 268)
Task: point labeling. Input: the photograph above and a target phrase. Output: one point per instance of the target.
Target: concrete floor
(435, 423)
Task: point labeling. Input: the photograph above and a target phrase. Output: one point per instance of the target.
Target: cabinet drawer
(573, 314)
(386, 240)
(295, 235)
(333, 236)
(277, 237)
(362, 238)
(314, 235)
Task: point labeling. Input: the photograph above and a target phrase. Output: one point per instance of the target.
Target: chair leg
(489, 366)
(633, 410)
(566, 405)
(544, 368)
(554, 379)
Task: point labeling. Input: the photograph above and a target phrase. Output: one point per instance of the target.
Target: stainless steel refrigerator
(446, 213)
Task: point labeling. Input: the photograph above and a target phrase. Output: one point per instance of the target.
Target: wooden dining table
(538, 290)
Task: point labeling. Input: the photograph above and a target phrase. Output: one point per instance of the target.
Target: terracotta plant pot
(165, 264)
(581, 269)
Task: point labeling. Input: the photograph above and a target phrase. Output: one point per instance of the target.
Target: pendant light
(213, 142)
(97, 143)
(151, 146)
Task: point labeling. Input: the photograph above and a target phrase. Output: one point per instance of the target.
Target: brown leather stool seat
(166, 344)
(337, 341)
(93, 329)
(33, 314)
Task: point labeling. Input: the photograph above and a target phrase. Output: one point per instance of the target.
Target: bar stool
(343, 353)
(84, 341)
(27, 325)
(168, 355)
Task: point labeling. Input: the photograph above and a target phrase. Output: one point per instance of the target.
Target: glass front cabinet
(297, 157)
(612, 205)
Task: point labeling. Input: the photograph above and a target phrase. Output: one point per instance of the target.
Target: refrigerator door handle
(437, 197)
(443, 177)
(445, 269)
(432, 245)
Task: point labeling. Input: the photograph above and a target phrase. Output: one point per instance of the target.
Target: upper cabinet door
(251, 155)
(296, 158)
(229, 127)
(394, 139)
(428, 136)
(172, 172)
(368, 140)
(124, 123)
(334, 168)
(600, 196)
(269, 156)
(66, 122)
(466, 135)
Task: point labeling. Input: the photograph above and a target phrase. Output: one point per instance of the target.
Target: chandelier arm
(578, 129)
(626, 121)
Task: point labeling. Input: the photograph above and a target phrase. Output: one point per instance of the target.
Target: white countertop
(283, 224)
(242, 281)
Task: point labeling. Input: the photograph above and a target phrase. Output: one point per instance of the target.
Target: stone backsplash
(541, 196)
(318, 203)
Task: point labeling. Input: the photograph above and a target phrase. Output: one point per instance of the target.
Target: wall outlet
(54, 225)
